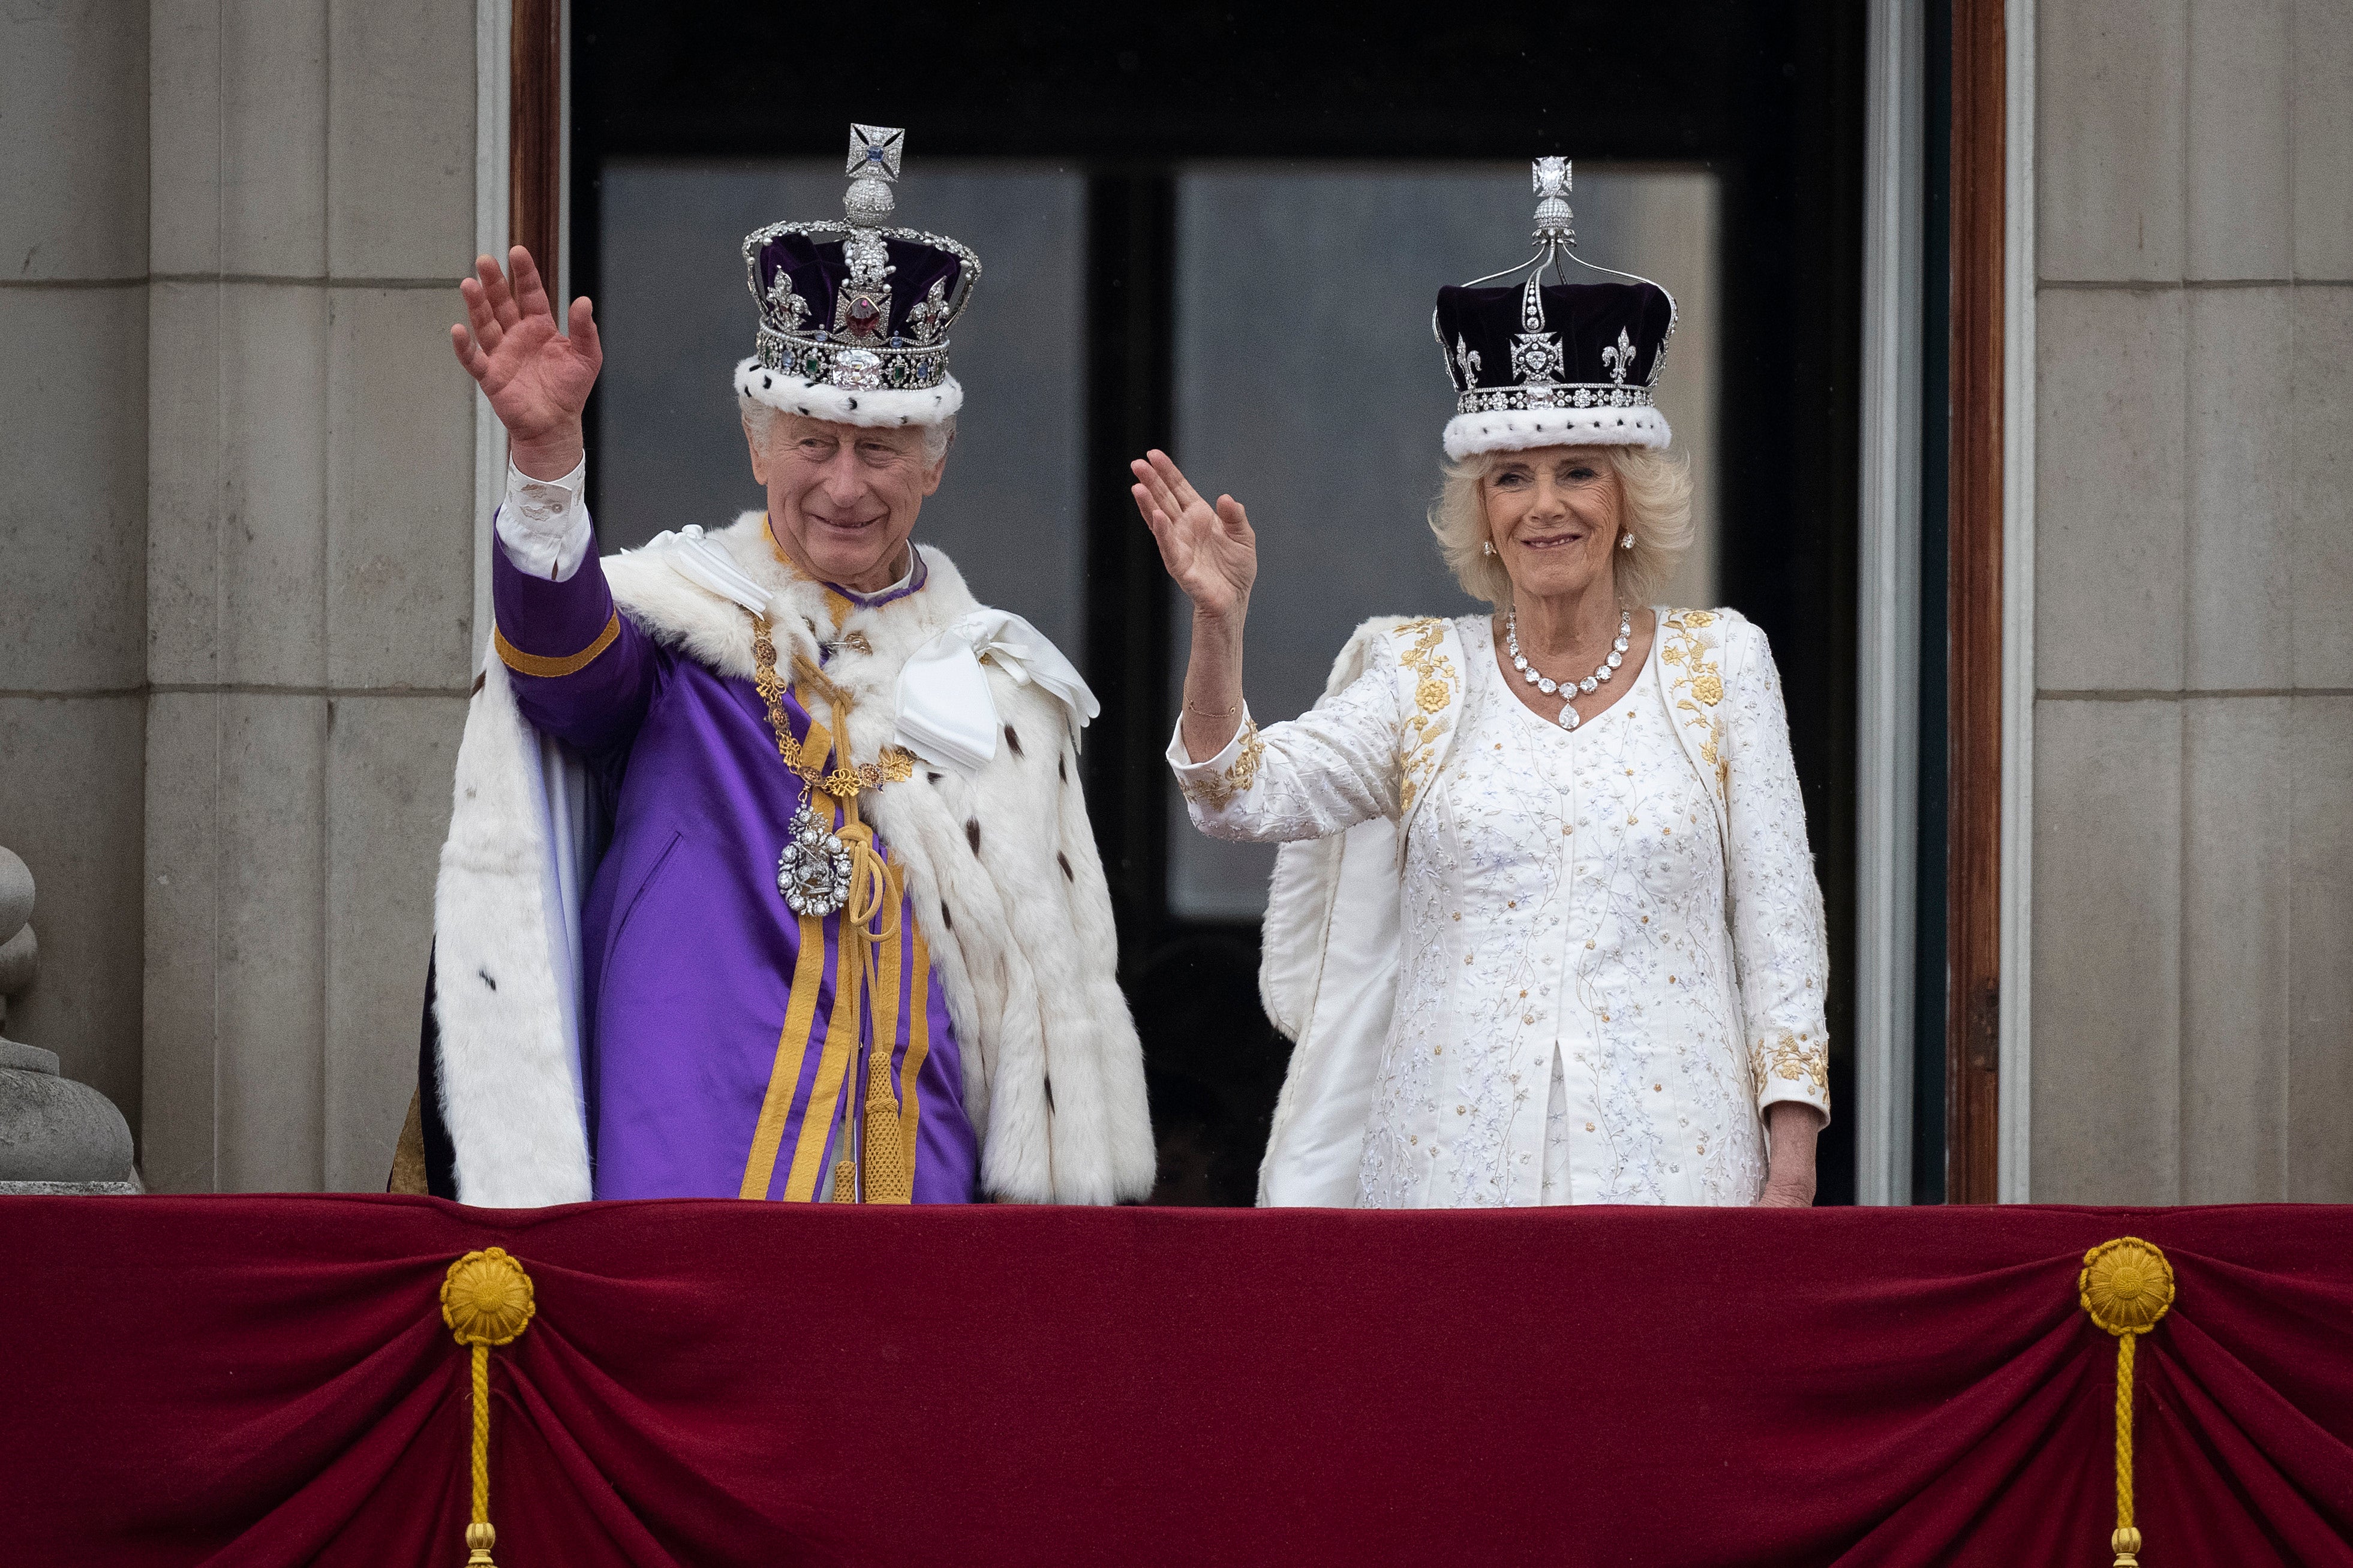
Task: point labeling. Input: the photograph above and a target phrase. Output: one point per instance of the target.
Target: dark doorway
(1765, 97)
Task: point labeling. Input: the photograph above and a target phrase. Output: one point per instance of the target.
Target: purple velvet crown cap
(819, 270)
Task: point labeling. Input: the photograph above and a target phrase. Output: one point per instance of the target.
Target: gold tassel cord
(875, 1163)
(486, 1299)
(2126, 1287)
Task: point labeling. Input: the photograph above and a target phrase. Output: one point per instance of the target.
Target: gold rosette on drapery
(486, 1299)
(2125, 1287)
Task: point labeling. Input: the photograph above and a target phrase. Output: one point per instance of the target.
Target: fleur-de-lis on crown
(785, 307)
(1467, 358)
(927, 317)
(1619, 360)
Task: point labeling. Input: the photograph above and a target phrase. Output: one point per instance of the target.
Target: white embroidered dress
(1608, 961)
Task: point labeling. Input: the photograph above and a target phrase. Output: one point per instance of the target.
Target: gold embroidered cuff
(523, 663)
(1800, 1059)
(1216, 790)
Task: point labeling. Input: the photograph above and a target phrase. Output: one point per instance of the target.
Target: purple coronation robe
(698, 988)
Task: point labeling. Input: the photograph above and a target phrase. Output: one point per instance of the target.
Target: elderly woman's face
(1554, 516)
(842, 498)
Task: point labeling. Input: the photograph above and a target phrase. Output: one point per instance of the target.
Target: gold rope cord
(486, 1299)
(2126, 1287)
(877, 889)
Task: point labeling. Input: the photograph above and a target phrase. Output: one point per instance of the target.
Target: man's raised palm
(536, 378)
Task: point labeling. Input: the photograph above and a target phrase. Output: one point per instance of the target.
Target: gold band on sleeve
(523, 663)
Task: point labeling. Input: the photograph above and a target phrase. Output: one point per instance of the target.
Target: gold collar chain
(893, 765)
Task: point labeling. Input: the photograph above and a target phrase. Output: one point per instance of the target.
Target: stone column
(2194, 734)
(309, 562)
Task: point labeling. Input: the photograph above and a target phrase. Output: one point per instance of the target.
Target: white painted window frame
(1888, 614)
(493, 73)
(2012, 1181)
(1888, 620)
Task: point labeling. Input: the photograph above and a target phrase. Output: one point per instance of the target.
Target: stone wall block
(2320, 956)
(71, 789)
(73, 511)
(184, 482)
(270, 542)
(73, 185)
(2107, 953)
(238, 153)
(2109, 149)
(400, 567)
(2234, 949)
(2108, 489)
(180, 1134)
(270, 174)
(183, 119)
(2239, 211)
(271, 972)
(2321, 490)
(389, 765)
(2238, 547)
(400, 198)
(2320, 65)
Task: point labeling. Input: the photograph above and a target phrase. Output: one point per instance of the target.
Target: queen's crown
(854, 304)
(1534, 344)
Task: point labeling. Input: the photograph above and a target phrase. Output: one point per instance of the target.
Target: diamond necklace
(1546, 684)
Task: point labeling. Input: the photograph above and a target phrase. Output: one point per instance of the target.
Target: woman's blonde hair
(1654, 490)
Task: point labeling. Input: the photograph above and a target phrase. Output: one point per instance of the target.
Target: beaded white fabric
(1575, 1020)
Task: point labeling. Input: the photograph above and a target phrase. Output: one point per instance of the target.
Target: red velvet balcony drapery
(266, 1380)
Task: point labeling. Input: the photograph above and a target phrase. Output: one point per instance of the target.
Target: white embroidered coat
(1524, 964)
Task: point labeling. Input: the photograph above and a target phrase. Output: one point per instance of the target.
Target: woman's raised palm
(537, 377)
(1210, 551)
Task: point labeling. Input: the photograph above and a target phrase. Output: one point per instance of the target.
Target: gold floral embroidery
(1792, 1058)
(1688, 654)
(1216, 790)
(1432, 694)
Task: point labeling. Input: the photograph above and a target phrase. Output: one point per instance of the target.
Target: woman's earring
(1625, 541)
(1486, 547)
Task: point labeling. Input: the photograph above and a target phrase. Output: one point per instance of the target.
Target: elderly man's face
(842, 498)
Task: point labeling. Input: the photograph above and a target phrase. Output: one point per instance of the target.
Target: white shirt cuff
(542, 526)
(1188, 770)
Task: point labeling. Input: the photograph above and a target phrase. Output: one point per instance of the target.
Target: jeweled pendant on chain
(813, 872)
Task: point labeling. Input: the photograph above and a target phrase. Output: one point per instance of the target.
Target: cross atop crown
(874, 151)
(872, 169)
(1552, 181)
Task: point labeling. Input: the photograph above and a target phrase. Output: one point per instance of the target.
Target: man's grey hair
(762, 421)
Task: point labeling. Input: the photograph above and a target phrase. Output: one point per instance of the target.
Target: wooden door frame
(1974, 685)
(535, 134)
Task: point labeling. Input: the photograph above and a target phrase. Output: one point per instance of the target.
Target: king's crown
(854, 305)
